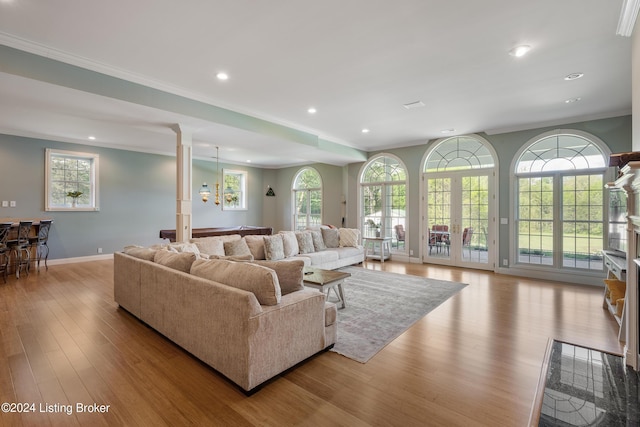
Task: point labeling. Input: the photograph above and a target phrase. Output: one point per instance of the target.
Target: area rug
(381, 306)
(583, 386)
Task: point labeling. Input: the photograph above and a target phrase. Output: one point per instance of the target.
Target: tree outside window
(307, 199)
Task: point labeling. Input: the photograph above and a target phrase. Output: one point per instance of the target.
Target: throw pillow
(330, 237)
(289, 274)
(318, 243)
(140, 252)
(209, 245)
(349, 237)
(185, 247)
(305, 242)
(290, 243)
(273, 247)
(261, 281)
(256, 245)
(177, 260)
(236, 248)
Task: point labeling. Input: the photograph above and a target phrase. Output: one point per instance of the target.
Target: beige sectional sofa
(249, 322)
(326, 248)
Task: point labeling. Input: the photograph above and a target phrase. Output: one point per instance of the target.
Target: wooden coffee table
(326, 280)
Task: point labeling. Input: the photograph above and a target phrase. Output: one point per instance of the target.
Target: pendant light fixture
(205, 192)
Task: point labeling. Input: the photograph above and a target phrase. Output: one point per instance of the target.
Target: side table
(383, 244)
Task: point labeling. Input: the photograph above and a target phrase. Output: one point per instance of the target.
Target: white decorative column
(183, 190)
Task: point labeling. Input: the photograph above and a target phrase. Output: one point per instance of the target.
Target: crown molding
(628, 16)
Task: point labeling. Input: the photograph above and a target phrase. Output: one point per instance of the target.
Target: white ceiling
(356, 61)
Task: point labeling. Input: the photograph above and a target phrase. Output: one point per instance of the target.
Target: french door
(459, 219)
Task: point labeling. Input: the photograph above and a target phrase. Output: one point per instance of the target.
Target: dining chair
(399, 235)
(5, 228)
(20, 246)
(39, 242)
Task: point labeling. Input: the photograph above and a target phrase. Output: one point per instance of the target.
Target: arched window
(459, 153)
(307, 199)
(383, 190)
(559, 215)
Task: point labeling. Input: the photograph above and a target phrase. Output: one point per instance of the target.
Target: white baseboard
(61, 261)
(557, 276)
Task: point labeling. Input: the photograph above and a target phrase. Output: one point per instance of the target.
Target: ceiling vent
(411, 105)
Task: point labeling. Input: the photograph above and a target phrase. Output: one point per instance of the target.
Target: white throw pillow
(349, 237)
(290, 243)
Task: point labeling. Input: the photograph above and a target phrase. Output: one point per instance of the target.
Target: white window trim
(95, 174)
(244, 184)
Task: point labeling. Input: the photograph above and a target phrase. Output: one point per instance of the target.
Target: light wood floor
(475, 360)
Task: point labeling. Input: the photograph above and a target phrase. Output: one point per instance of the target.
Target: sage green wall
(138, 190)
(137, 197)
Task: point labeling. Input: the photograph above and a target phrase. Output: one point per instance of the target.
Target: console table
(242, 230)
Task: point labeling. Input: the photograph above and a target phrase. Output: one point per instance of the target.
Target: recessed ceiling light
(447, 131)
(572, 100)
(519, 51)
(248, 161)
(222, 76)
(365, 130)
(573, 76)
(311, 110)
(415, 104)
(92, 138)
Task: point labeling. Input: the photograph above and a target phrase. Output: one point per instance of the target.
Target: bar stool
(21, 247)
(5, 227)
(40, 243)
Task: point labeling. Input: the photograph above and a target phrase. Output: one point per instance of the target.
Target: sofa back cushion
(256, 245)
(261, 281)
(177, 260)
(140, 252)
(290, 273)
(214, 245)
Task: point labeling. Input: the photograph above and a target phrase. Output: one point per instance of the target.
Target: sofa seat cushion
(181, 261)
(289, 273)
(348, 252)
(261, 281)
(322, 257)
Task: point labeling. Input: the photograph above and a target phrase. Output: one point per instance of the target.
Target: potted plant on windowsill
(74, 196)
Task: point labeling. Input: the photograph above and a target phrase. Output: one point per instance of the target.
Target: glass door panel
(438, 243)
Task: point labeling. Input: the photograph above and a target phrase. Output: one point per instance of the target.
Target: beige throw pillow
(330, 237)
(318, 243)
(140, 252)
(261, 281)
(256, 245)
(236, 248)
(210, 245)
(305, 242)
(349, 237)
(177, 260)
(273, 247)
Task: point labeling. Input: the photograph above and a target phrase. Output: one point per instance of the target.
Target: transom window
(560, 209)
(71, 180)
(383, 189)
(307, 199)
(459, 153)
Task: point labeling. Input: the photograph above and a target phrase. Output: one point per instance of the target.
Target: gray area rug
(381, 306)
